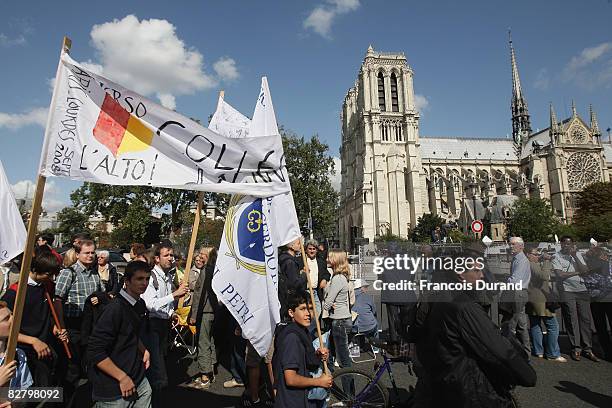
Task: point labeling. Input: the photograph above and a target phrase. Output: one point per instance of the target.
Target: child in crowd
(18, 373)
(294, 357)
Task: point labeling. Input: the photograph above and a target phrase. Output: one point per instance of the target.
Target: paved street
(573, 384)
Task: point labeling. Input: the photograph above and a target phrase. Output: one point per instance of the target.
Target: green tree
(533, 219)
(71, 221)
(425, 225)
(309, 165)
(593, 218)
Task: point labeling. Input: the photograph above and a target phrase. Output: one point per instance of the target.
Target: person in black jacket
(108, 273)
(291, 277)
(38, 334)
(464, 359)
(117, 356)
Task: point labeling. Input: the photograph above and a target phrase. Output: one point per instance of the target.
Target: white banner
(12, 230)
(246, 273)
(100, 132)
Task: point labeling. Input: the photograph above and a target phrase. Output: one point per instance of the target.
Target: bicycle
(357, 388)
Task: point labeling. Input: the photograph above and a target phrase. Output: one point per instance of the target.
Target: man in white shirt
(159, 299)
(568, 266)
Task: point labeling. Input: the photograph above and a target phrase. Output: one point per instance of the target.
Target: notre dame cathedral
(391, 175)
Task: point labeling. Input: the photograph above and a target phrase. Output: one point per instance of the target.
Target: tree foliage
(309, 165)
(71, 221)
(533, 219)
(425, 225)
(593, 218)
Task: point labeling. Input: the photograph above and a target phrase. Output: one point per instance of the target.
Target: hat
(359, 283)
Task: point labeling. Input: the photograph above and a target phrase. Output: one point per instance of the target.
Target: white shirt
(128, 297)
(160, 302)
(313, 267)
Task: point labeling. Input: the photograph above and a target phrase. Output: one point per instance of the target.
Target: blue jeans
(341, 328)
(143, 401)
(551, 343)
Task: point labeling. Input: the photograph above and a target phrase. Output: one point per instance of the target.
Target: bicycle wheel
(356, 389)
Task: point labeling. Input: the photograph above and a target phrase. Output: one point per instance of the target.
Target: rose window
(578, 134)
(582, 169)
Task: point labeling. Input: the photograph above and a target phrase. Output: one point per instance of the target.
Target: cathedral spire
(594, 124)
(555, 128)
(553, 120)
(521, 124)
(574, 113)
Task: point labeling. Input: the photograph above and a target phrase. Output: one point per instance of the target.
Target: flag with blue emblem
(246, 272)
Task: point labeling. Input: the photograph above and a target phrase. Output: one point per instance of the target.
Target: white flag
(12, 230)
(247, 265)
(101, 132)
(228, 122)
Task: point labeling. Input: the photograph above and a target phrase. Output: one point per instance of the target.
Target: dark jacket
(92, 313)
(203, 293)
(289, 279)
(112, 286)
(116, 337)
(467, 362)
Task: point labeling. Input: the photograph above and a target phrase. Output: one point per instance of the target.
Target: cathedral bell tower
(379, 153)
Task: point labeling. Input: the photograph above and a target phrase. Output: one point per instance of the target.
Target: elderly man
(516, 322)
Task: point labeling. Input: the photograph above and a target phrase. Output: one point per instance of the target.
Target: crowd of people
(578, 283)
(110, 335)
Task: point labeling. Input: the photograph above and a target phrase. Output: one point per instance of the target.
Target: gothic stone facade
(391, 175)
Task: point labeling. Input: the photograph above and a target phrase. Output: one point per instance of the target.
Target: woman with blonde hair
(337, 306)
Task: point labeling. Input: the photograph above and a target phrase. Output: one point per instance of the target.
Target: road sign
(477, 226)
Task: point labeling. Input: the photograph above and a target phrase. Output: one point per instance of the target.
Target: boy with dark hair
(295, 357)
(37, 333)
(117, 356)
(46, 240)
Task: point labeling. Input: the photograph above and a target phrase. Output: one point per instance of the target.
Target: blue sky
(184, 52)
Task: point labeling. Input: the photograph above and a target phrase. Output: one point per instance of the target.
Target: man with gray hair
(516, 322)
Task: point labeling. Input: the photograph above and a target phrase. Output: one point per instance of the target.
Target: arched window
(394, 99)
(381, 91)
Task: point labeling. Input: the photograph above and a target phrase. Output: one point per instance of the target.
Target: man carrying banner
(159, 299)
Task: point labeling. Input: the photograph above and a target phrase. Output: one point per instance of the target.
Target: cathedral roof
(467, 148)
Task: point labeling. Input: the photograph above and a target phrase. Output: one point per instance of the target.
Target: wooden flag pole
(29, 250)
(194, 236)
(312, 300)
(57, 323)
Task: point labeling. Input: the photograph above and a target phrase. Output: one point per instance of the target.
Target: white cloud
(51, 201)
(15, 121)
(226, 70)
(421, 103)
(336, 178)
(149, 57)
(167, 100)
(542, 81)
(321, 18)
(6, 41)
(588, 56)
(591, 68)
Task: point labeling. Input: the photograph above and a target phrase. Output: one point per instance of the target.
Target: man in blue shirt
(366, 322)
(517, 323)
